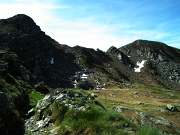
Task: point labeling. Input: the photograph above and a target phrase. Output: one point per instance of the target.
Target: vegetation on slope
(14, 92)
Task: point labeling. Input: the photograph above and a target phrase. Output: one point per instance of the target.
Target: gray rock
(78, 95)
(86, 85)
(171, 108)
(136, 93)
(145, 123)
(160, 109)
(141, 103)
(162, 121)
(42, 123)
(44, 103)
(178, 104)
(143, 115)
(172, 95)
(81, 108)
(93, 95)
(120, 108)
(71, 106)
(59, 97)
(84, 98)
(70, 94)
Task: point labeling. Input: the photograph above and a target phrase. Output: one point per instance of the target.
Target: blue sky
(101, 23)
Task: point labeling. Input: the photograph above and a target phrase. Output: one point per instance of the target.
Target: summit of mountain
(151, 50)
(150, 62)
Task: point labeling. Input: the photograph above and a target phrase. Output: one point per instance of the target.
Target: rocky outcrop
(120, 55)
(42, 123)
(161, 66)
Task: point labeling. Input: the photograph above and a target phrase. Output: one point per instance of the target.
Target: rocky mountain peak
(23, 22)
(113, 50)
(149, 50)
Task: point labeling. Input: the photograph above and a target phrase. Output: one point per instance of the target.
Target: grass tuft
(149, 131)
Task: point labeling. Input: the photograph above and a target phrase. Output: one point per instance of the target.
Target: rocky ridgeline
(160, 62)
(56, 63)
(40, 123)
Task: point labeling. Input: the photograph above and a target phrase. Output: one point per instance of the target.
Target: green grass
(163, 92)
(149, 131)
(75, 90)
(34, 98)
(95, 120)
(92, 120)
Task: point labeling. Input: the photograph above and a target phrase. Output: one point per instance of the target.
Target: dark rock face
(3, 102)
(36, 50)
(121, 56)
(86, 85)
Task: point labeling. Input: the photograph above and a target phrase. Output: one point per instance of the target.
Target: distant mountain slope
(147, 62)
(159, 62)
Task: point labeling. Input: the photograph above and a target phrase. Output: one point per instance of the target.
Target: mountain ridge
(21, 35)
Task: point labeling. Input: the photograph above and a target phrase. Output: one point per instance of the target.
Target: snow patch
(52, 61)
(119, 56)
(141, 65)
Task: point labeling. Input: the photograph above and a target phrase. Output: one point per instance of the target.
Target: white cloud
(39, 11)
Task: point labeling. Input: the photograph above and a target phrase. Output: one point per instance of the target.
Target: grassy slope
(93, 120)
(151, 97)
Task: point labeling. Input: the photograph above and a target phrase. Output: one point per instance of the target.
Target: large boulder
(86, 85)
(44, 103)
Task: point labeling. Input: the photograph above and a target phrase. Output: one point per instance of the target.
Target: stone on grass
(171, 108)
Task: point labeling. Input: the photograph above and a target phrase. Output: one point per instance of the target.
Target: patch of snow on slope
(52, 61)
(140, 66)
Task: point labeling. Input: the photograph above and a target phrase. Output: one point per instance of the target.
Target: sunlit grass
(34, 98)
